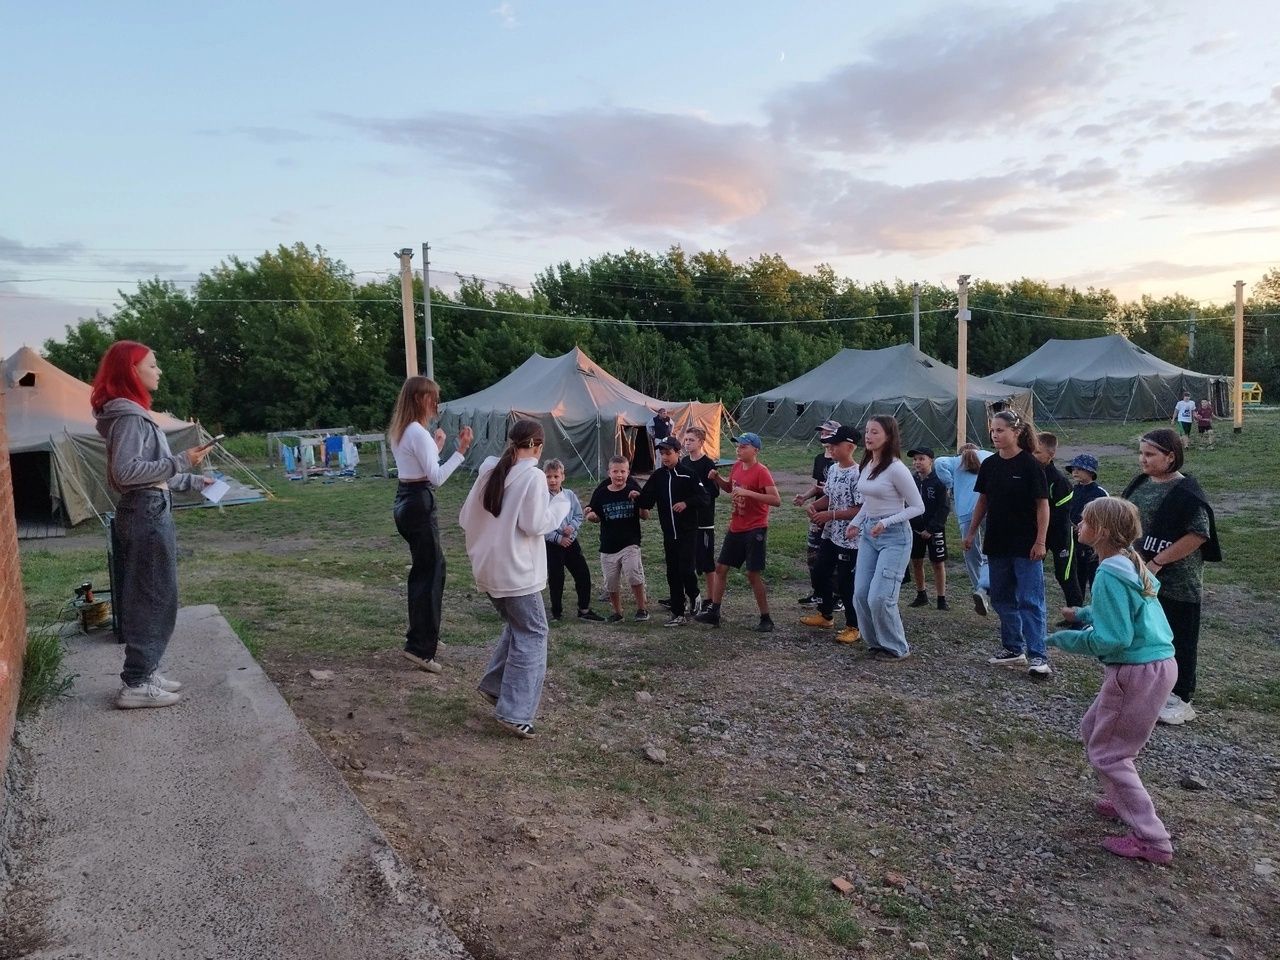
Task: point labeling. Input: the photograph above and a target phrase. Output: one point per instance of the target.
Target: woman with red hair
(142, 469)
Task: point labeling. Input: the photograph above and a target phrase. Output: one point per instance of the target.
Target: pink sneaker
(1135, 849)
(1106, 809)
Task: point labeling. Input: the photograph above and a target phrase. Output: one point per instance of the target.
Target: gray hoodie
(138, 454)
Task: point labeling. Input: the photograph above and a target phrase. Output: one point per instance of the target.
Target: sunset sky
(1134, 146)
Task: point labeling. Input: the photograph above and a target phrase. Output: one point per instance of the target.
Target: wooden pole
(1238, 389)
(962, 364)
(406, 305)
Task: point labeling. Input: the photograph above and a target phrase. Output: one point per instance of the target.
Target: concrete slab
(213, 829)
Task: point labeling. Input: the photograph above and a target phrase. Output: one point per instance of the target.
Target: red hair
(117, 376)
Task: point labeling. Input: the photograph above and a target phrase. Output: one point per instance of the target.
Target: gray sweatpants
(146, 585)
(519, 663)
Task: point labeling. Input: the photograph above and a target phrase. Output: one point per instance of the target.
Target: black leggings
(1184, 620)
(415, 515)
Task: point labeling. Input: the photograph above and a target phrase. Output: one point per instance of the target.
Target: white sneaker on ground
(145, 694)
(981, 603)
(1177, 711)
(165, 684)
(431, 666)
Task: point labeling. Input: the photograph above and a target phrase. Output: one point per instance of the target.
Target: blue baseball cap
(1085, 461)
(750, 438)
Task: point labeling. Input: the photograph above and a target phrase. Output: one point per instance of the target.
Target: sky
(1133, 146)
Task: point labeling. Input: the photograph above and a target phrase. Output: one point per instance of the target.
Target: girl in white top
(890, 498)
(417, 454)
(507, 513)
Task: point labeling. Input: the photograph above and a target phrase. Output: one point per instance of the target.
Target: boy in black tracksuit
(698, 465)
(929, 530)
(678, 497)
(1059, 541)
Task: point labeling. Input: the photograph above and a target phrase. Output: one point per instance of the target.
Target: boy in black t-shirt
(928, 531)
(1058, 538)
(698, 465)
(613, 506)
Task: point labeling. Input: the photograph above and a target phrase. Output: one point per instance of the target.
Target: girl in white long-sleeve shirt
(890, 498)
(506, 516)
(417, 454)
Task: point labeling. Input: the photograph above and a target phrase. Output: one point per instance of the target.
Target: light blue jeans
(519, 662)
(876, 583)
(1017, 593)
(975, 561)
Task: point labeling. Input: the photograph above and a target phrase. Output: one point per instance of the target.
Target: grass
(321, 571)
(44, 676)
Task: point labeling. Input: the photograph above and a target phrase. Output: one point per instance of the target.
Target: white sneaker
(145, 694)
(431, 666)
(1177, 711)
(165, 684)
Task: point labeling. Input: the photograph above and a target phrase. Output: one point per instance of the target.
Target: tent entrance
(638, 449)
(33, 508)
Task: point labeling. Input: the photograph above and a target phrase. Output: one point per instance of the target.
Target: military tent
(855, 384)
(1109, 378)
(587, 415)
(58, 461)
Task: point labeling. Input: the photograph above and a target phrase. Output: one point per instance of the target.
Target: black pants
(415, 515)
(558, 560)
(813, 554)
(682, 577)
(1184, 620)
(1066, 570)
(835, 576)
(1087, 565)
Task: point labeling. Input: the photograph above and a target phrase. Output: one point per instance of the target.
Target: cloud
(977, 73)
(506, 14)
(32, 318)
(1245, 177)
(15, 251)
(270, 135)
(1213, 45)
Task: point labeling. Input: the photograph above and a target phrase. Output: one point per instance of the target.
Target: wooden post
(406, 304)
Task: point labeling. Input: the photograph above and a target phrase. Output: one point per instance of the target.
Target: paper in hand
(215, 491)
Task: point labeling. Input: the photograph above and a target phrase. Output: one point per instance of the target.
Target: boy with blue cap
(1084, 473)
(753, 490)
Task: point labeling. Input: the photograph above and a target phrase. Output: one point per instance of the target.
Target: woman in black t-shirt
(1013, 497)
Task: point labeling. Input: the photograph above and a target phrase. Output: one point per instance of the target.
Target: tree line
(292, 339)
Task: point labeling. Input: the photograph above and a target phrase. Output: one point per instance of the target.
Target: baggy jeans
(145, 548)
(415, 516)
(1116, 727)
(1017, 593)
(519, 662)
(876, 584)
(975, 561)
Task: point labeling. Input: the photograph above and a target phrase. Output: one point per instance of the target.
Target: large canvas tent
(587, 414)
(901, 381)
(57, 459)
(1109, 378)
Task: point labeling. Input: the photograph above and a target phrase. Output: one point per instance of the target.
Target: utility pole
(1238, 388)
(915, 313)
(962, 364)
(1191, 336)
(426, 312)
(406, 304)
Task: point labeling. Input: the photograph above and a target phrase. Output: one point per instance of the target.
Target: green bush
(44, 677)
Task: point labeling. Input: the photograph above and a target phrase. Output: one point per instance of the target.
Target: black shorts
(746, 546)
(704, 557)
(1186, 426)
(935, 547)
(1204, 427)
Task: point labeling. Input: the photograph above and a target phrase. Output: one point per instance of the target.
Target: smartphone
(221, 436)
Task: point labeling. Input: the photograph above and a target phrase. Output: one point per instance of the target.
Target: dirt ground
(953, 797)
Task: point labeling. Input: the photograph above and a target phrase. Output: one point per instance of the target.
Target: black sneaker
(837, 607)
(676, 620)
(613, 618)
(641, 616)
(665, 603)
(809, 600)
(981, 605)
(942, 604)
(709, 614)
(590, 615)
(765, 625)
(921, 600)
(1008, 658)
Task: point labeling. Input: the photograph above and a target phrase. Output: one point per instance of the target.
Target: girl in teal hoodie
(1126, 629)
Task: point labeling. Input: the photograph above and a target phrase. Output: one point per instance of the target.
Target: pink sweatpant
(1116, 727)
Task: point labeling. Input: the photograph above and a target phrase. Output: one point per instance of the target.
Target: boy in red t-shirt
(754, 492)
